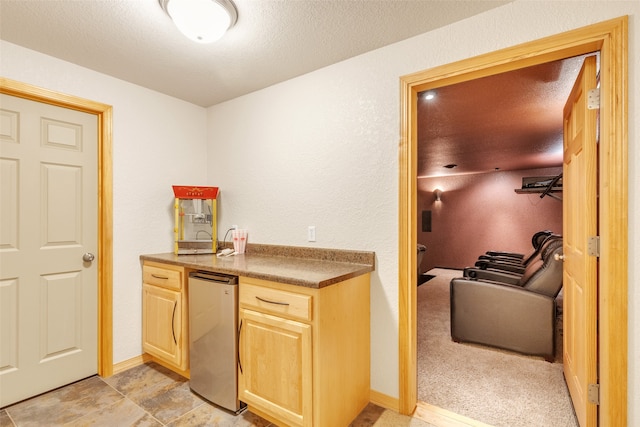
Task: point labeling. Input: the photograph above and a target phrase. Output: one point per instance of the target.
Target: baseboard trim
(448, 268)
(144, 358)
(131, 363)
(431, 414)
(442, 417)
(384, 400)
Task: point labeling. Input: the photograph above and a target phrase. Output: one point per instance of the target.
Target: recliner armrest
(500, 266)
(500, 259)
(509, 254)
(496, 276)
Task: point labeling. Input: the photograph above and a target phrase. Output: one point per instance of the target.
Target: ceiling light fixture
(429, 95)
(203, 21)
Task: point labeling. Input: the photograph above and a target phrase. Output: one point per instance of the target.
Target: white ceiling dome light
(203, 21)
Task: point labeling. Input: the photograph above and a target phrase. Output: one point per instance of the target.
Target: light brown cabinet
(164, 315)
(304, 352)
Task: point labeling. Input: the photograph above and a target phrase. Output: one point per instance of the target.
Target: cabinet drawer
(164, 277)
(275, 301)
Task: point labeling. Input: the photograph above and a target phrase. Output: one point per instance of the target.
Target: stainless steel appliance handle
(213, 277)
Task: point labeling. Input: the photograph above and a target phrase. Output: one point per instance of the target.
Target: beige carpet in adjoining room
(493, 386)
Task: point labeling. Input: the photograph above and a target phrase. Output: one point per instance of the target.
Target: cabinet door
(275, 375)
(162, 323)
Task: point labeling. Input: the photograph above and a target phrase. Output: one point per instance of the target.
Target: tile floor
(149, 395)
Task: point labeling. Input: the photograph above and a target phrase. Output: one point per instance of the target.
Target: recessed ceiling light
(429, 95)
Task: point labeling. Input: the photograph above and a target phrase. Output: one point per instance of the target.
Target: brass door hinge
(593, 246)
(593, 99)
(593, 394)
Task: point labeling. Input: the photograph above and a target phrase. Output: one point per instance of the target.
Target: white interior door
(48, 222)
(580, 219)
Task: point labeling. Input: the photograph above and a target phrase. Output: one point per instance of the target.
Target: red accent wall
(482, 212)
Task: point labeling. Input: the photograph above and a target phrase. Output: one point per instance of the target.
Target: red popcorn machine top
(195, 220)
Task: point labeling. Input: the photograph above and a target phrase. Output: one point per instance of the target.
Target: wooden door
(276, 374)
(579, 224)
(48, 221)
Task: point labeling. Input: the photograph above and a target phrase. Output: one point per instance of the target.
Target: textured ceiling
(509, 121)
(273, 40)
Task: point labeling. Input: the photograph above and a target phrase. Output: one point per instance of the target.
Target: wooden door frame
(610, 38)
(104, 114)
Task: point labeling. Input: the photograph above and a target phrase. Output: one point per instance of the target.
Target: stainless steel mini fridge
(213, 338)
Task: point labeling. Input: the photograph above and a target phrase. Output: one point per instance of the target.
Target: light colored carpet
(493, 386)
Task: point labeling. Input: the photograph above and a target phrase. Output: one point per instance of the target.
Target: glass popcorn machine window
(195, 220)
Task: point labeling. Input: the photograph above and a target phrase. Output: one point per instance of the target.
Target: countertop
(309, 267)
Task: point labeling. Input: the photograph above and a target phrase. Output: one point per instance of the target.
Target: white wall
(321, 150)
(157, 141)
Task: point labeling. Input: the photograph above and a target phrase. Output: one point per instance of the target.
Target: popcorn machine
(195, 220)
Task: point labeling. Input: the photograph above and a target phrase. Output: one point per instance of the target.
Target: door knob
(558, 257)
(88, 257)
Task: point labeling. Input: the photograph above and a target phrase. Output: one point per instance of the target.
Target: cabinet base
(184, 373)
(267, 417)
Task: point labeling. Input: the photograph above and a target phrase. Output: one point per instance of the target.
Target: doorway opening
(497, 130)
(610, 38)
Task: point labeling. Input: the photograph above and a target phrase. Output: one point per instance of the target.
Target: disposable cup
(239, 240)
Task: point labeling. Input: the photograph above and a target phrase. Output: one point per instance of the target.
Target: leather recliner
(536, 240)
(510, 312)
(516, 266)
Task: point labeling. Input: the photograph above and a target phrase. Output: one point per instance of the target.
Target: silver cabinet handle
(88, 257)
(272, 302)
